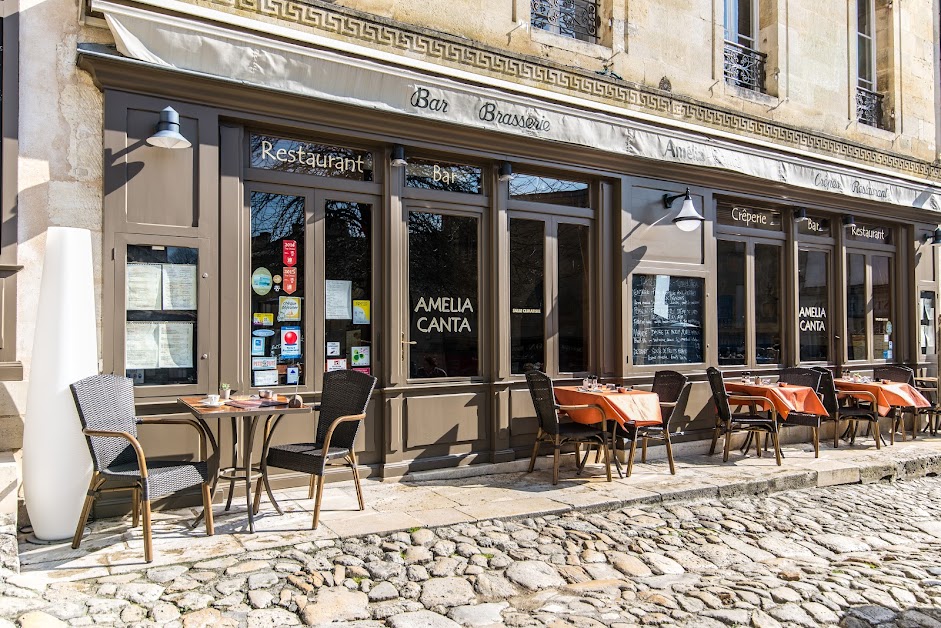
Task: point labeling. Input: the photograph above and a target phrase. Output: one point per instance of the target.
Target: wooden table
(785, 399)
(637, 407)
(888, 394)
(246, 409)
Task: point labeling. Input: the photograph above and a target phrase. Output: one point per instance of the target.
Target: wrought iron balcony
(869, 107)
(577, 19)
(744, 67)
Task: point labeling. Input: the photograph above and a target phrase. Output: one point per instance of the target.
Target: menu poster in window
(179, 286)
(338, 304)
(668, 319)
(142, 345)
(176, 345)
(144, 287)
(265, 378)
(360, 312)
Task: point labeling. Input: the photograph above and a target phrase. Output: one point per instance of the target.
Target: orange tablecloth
(785, 399)
(887, 395)
(639, 407)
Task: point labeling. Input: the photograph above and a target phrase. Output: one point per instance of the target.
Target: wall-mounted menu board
(668, 319)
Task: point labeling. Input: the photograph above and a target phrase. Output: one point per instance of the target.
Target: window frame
(869, 84)
(730, 26)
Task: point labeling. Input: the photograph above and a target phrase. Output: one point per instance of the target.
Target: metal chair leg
(728, 442)
(90, 496)
(630, 455)
(135, 507)
(643, 450)
(715, 437)
(359, 489)
(777, 447)
(148, 539)
(207, 509)
(555, 460)
(317, 499)
(532, 460)
(669, 446)
(816, 442)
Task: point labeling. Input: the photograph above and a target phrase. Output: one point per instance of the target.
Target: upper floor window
(868, 98)
(744, 64)
(577, 19)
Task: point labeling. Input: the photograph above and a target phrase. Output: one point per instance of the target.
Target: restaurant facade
(339, 206)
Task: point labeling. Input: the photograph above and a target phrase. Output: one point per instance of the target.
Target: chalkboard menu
(668, 319)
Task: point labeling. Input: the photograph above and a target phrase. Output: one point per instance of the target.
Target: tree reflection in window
(348, 257)
(540, 189)
(443, 295)
(446, 177)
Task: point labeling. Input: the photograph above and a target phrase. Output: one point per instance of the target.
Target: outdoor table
(785, 399)
(637, 407)
(888, 394)
(250, 411)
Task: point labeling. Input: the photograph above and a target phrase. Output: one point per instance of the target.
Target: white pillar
(56, 463)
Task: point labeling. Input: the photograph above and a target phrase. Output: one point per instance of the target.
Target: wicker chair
(728, 422)
(105, 406)
(673, 389)
(342, 410)
(852, 413)
(905, 375)
(558, 434)
(809, 377)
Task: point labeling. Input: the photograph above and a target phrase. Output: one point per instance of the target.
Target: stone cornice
(447, 50)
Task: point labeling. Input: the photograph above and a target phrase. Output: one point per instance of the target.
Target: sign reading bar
(749, 218)
(815, 226)
(277, 153)
(449, 177)
(668, 319)
(869, 233)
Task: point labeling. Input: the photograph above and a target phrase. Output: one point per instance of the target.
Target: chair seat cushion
(801, 419)
(578, 430)
(303, 457)
(164, 477)
(846, 413)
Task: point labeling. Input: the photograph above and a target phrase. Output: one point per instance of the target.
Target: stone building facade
(826, 108)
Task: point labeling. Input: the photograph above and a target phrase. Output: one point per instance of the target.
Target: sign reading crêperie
(749, 218)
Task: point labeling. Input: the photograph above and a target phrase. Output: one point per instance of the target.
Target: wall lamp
(849, 221)
(506, 171)
(800, 214)
(933, 237)
(688, 219)
(398, 156)
(168, 131)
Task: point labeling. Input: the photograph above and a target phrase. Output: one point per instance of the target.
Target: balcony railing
(577, 19)
(869, 107)
(744, 67)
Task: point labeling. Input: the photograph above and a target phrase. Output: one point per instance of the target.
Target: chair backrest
(668, 385)
(894, 373)
(827, 391)
(345, 393)
(540, 387)
(106, 402)
(680, 408)
(801, 377)
(719, 395)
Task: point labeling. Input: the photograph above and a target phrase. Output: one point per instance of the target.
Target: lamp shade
(168, 131)
(398, 156)
(56, 463)
(688, 219)
(800, 214)
(934, 237)
(849, 221)
(506, 171)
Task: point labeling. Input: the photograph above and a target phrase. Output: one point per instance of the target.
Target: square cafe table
(250, 410)
(638, 407)
(888, 394)
(785, 399)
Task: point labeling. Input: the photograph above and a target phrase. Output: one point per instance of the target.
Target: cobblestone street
(857, 555)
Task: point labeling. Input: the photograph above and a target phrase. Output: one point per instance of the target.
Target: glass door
(814, 303)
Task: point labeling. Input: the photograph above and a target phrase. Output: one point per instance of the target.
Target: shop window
(577, 19)
(443, 295)
(541, 189)
(527, 295)
(278, 338)
(161, 303)
(926, 324)
(749, 272)
(813, 301)
(574, 298)
(667, 319)
(869, 306)
(444, 176)
(348, 272)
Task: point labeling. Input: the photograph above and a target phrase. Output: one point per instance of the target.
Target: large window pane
(731, 301)
(767, 304)
(348, 273)
(882, 327)
(813, 277)
(574, 297)
(277, 297)
(856, 305)
(527, 295)
(443, 293)
(530, 187)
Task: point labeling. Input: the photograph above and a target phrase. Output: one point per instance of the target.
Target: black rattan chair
(673, 389)
(551, 430)
(904, 375)
(105, 406)
(342, 410)
(728, 422)
(809, 377)
(852, 413)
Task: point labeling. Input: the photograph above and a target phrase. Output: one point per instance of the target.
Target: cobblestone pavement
(857, 555)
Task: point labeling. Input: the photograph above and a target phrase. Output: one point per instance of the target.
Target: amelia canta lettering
(443, 305)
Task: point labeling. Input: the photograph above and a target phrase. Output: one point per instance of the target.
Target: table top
(638, 407)
(887, 394)
(785, 399)
(197, 406)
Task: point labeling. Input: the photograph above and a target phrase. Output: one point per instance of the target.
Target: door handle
(406, 342)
